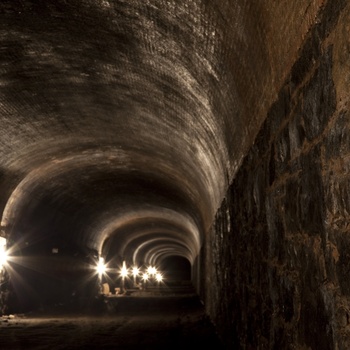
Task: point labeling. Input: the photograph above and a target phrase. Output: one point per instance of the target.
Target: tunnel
(208, 139)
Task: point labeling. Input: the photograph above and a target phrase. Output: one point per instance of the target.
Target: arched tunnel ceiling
(118, 113)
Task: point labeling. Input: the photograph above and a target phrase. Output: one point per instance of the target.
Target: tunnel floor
(158, 318)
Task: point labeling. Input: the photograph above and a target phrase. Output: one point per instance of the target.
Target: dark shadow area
(162, 318)
(177, 268)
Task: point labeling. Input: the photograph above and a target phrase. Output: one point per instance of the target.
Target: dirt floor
(135, 321)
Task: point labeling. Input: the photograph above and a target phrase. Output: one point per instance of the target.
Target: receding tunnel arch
(70, 176)
(166, 250)
(88, 161)
(133, 230)
(71, 204)
(118, 114)
(149, 250)
(111, 107)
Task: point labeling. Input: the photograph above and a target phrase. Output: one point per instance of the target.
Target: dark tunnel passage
(204, 143)
(178, 268)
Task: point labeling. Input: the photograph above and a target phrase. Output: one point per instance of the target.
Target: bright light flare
(145, 276)
(135, 271)
(151, 270)
(159, 277)
(124, 270)
(3, 257)
(101, 266)
(3, 252)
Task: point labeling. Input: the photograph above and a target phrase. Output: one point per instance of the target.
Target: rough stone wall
(278, 264)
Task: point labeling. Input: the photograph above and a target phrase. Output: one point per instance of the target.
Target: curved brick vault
(123, 123)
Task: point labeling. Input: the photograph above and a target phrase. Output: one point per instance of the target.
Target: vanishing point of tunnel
(206, 139)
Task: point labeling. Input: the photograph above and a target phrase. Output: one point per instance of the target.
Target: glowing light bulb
(3, 253)
(152, 270)
(3, 257)
(101, 267)
(135, 271)
(124, 270)
(159, 277)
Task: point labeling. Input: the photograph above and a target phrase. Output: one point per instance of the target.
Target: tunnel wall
(277, 267)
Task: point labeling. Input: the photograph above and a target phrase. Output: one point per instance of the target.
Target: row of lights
(150, 272)
(101, 267)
